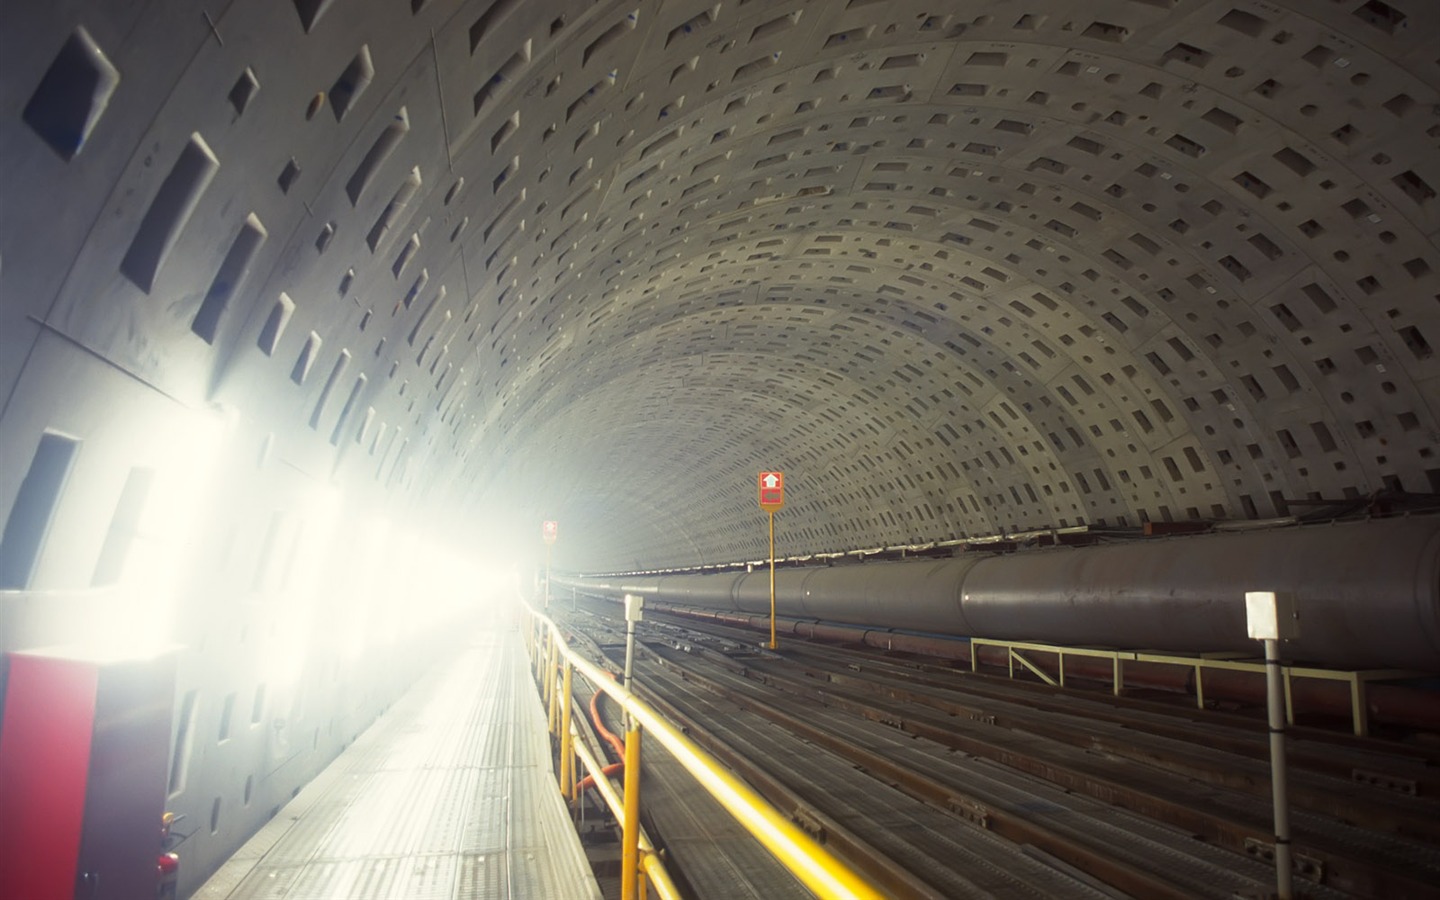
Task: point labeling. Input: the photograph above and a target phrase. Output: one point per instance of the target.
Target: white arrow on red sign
(772, 490)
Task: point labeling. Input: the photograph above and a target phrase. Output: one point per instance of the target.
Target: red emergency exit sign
(772, 490)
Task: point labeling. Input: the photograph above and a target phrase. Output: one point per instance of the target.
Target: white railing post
(1271, 617)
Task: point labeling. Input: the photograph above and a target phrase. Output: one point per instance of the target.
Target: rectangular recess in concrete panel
(169, 212)
(229, 278)
(30, 515)
(124, 526)
(72, 96)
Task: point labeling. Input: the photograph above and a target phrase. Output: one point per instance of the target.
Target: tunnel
(312, 311)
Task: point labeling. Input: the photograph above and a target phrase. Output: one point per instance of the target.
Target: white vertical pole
(1270, 617)
(634, 606)
(629, 651)
(1278, 782)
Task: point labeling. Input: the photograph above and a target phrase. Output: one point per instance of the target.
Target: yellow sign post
(772, 497)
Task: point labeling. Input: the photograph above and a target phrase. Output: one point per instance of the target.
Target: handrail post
(816, 866)
(630, 835)
(567, 751)
(550, 671)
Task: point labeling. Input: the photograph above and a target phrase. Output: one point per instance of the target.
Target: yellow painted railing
(1234, 662)
(816, 867)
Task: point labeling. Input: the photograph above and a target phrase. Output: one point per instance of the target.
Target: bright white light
(494, 581)
(299, 603)
(364, 590)
(140, 620)
(319, 512)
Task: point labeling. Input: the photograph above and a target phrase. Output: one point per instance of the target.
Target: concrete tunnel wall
(310, 296)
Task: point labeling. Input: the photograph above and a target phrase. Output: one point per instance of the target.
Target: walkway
(449, 796)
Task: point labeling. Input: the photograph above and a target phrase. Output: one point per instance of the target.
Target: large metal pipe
(1368, 593)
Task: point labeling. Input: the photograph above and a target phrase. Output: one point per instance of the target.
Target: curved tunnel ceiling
(958, 268)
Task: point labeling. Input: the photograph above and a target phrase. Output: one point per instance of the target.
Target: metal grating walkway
(449, 796)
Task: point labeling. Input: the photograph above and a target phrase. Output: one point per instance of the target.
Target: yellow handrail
(817, 868)
(649, 859)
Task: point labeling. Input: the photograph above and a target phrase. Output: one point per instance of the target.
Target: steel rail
(1323, 750)
(1342, 866)
(1318, 759)
(1018, 828)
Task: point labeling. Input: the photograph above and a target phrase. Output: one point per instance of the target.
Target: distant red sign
(772, 490)
(550, 530)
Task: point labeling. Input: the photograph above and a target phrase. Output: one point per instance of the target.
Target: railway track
(1368, 783)
(926, 777)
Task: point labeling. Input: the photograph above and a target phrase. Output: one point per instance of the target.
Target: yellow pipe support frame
(1016, 655)
(567, 754)
(1359, 711)
(630, 833)
(650, 861)
(1228, 661)
(824, 873)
